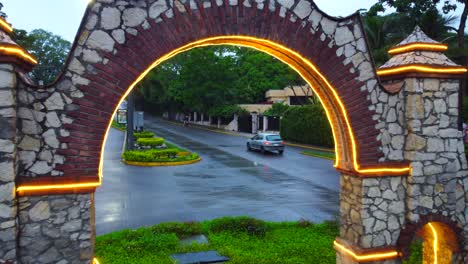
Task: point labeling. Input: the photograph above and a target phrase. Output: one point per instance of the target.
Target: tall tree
(424, 11)
(50, 50)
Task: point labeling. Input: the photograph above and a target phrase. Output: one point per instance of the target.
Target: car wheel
(281, 152)
(248, 147)
(262, 150)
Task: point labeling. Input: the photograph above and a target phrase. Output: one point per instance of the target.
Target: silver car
(266, 142)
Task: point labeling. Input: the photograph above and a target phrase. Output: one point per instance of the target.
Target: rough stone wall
(41, 120)
(421, 125)
(57, 229)
(372, 210)
(8, 205)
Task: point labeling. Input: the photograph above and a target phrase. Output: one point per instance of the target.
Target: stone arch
(449, 237)
(117, 42)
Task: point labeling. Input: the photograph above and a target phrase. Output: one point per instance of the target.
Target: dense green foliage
(384, 31)
(118, 126)
(307, 124)
(288, 242)
(227, 111)
(50, 50)
(149, 155)
(150, 141)
(143, 134)
(214, 79)
(416, 256)
(277, 110)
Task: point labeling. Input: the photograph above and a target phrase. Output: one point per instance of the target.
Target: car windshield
(273, 138)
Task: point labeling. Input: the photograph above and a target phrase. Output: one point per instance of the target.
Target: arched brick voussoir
(125, 51)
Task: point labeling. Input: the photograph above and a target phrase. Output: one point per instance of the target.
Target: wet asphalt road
(229, 181)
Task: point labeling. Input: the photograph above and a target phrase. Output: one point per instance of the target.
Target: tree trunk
(461, 28)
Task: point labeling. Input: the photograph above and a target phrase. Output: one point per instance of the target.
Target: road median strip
(162, 163)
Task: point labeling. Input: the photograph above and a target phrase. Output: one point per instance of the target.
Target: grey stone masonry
(57, 229)
(8, 206)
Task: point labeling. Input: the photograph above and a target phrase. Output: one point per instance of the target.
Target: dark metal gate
(245, 123)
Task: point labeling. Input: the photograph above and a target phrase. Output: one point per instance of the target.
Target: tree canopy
(213, 79)
(50, 50)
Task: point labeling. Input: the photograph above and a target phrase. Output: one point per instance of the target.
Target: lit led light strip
(422, 69)
(7, 27)
(369, 256)
(436, 242)
(250, 42)
(18, 52)
(238, 41)
(58, 186)
(418, 46)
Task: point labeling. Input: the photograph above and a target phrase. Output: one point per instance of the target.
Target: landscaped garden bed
(244, 240)
(155, 151)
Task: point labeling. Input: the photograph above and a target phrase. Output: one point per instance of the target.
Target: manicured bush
(144, 134)
(307, 124)
(150, 142)
(150, 155)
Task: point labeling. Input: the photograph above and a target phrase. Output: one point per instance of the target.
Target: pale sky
(63, 17)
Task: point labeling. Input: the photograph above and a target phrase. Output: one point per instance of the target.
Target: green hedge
(143, 134)
(149, 155)
(150, 142)
(307, 124)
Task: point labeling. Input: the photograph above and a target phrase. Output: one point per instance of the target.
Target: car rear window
(273, 138)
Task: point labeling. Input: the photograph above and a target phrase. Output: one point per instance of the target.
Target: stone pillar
(265, 123)
(8, 164)
(254, 122)
(371, 210)
(195, 117)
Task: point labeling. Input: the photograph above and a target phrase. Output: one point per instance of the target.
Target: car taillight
(267, 143)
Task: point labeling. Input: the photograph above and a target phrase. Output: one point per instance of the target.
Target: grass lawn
(243, 240)
(118, 126)
(319, 154)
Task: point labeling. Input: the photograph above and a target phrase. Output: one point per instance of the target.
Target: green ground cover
(151, 150)
(243, 240)
(118, 126)
(319, 154)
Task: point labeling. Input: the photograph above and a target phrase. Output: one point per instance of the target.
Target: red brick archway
(319, 56)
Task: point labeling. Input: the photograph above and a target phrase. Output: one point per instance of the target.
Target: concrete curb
(317, 156)
(158, 164)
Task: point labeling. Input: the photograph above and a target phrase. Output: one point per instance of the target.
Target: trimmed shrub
(307, 124)
(149, 155)
(150, 142)
(144, 134)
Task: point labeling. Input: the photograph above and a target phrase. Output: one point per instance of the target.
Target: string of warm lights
(5, 26)
(17, 51)
(418, 46)
(95, 261)
(421, 69)
(273, 49)
(435, 245)
(24, 188)
(367, 256)
(265, 46)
